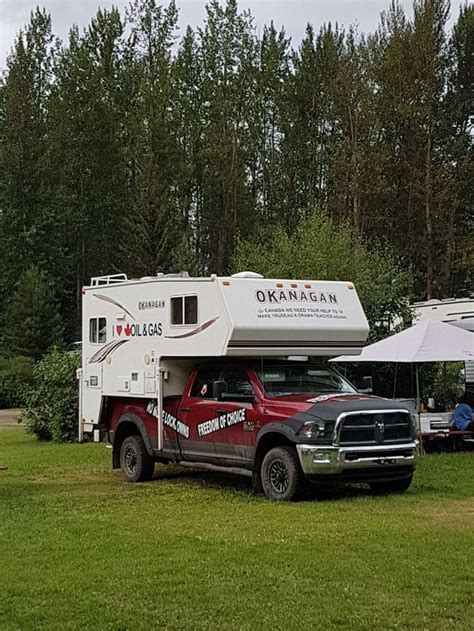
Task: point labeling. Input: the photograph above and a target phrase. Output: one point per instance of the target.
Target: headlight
(313, 429)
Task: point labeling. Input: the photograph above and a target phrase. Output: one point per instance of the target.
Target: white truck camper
(173, 368)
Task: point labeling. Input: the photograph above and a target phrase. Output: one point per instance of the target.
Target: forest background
(134, 147)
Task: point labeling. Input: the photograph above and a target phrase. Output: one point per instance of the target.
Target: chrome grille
(375, 428)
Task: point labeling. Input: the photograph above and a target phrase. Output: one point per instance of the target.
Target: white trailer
(456, 311)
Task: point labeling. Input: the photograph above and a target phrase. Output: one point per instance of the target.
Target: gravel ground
(8, 418)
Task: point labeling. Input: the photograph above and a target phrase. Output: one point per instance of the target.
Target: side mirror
(218, 389)
(367, 385)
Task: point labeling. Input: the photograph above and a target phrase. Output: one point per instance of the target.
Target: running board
(214, 467)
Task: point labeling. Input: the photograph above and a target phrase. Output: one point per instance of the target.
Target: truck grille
(382, 427)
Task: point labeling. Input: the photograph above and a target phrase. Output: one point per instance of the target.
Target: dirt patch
(454, 514)
(9, 419)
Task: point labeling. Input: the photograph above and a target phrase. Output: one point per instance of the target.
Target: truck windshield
(279, 381)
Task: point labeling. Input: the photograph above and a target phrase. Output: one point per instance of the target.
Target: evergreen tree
(229, 57)
(26, 224)
(458, 120)
(268, 122)
(87, 157)
(33, 323)
(155, 225)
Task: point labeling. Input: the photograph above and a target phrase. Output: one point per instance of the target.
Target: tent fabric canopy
(430, 341)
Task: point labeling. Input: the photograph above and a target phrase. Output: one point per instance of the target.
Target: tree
(33, 323)
(268, 118)
(457, 122)
(153, 152)
(229, 58)
(26, 223)
(87, 157)
(321, 248)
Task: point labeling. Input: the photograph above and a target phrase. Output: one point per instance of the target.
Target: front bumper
(362, 461)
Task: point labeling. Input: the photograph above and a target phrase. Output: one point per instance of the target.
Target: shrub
(16, 375)
(52, 402)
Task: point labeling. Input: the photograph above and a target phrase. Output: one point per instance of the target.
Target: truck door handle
(185, 409)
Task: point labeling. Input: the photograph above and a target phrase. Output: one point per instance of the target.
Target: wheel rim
(131, 460)
(279, 476)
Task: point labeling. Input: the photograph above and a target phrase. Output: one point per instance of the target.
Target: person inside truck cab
(464, 413)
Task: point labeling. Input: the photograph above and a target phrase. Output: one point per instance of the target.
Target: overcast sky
(293, 14)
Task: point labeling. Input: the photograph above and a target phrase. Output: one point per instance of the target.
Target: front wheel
(135, 462)
(282, 478)
(392, 486)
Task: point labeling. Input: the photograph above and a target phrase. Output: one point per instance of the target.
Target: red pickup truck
(282, 422)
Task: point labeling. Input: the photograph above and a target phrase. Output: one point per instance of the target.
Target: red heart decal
(128, 330)
(118, 328)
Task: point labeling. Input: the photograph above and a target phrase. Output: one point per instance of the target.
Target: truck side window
(184, 310)
(202, 386)
(237, 382)
(98, 330)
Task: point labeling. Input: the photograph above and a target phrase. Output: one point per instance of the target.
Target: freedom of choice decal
(221, 422)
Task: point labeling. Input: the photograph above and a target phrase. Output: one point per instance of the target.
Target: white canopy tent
(429, 341)
(425, 342)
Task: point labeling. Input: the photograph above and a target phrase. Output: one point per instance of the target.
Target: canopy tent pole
(417, 388)
(444, 384)
(418, 411)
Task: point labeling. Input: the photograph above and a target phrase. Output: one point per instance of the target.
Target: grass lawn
(80, 549)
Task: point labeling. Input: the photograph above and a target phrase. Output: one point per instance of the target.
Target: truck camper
(226, 373)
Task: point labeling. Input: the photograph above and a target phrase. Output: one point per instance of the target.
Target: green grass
(80, 549)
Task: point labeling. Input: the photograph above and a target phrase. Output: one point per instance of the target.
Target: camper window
(184, 310)
(97, 330)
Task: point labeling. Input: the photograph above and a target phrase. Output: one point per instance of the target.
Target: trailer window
(98, 330)
(177, 310)
(184, 310)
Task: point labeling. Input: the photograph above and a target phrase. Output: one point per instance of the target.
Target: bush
(52, 402)
(16, 376)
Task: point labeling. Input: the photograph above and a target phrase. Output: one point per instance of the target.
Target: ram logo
(380, 427)
(379, 430)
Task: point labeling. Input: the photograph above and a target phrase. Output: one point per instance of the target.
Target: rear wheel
(392, 486)
(135, 462)
(282, 478)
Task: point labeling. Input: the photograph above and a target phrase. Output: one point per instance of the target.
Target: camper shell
(143, 339)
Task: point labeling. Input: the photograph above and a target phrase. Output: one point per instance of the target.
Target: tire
(281, 474)
(135, 462)
(391, 486)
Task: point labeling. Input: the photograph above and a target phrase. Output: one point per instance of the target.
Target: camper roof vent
(108, 280)
(246, 275)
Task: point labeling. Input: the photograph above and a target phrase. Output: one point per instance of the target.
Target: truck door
(238, 418)
(197, 411)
